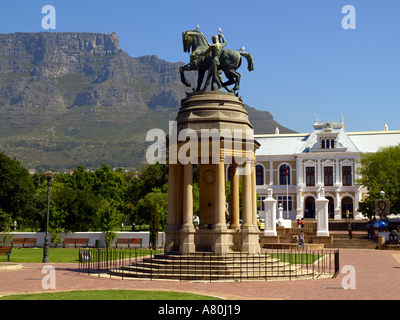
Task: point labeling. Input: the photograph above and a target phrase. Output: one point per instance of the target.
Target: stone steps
(359, 241)
(210, 267)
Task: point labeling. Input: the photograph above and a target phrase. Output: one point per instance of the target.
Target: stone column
(247, 206)
(271, 172)
(254, 195)
(187, 230)
(172, 226)
(270, 214)
(220, 200)
(179, 194)
(299, 203)
(338, 212)
(220, 245)
(188, 195)
(234, 203)
(172, 195)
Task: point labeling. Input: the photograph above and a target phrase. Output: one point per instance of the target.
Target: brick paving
(377, 277)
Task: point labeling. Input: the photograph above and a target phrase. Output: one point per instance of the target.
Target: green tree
(153, 208)
(77, 207)
(16, 187)
(152, 176)
(5, 225)
(380, 171)
(107, 220)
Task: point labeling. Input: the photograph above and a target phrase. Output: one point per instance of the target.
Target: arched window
(284, 174)
(332, 143)
(259, 175)
(323, 143)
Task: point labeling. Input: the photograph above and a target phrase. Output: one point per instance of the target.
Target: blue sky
(306, 64)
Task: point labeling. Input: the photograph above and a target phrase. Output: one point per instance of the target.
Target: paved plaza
(377, 276)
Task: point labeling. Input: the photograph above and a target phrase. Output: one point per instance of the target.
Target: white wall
(93, 236)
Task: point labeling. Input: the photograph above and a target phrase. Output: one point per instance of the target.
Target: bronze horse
(230, 61)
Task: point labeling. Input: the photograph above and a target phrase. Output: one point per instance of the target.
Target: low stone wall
(292, 239)
(92, 236)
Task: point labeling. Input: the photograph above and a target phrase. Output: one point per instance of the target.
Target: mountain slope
(77, 98)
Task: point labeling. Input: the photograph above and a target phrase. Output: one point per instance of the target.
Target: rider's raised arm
(222, 40)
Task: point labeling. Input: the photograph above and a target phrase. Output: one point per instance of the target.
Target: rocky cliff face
(77, 98)
(48, 73)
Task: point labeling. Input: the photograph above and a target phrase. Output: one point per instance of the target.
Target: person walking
(369, 229)
(303, 223)
(350, 228)
(301, 240)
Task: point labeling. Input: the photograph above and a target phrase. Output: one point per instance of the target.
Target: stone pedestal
(270, 214)
(321, 208)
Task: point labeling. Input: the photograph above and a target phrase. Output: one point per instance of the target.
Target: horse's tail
(249, 58)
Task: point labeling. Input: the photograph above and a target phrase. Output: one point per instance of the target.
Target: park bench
(29, 241)
(6, 251)
(17, 241)
(125, 241)
(76, 241)
(23, 242)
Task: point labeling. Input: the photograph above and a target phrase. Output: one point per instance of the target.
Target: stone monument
(270, 214)
(214, 133)
(321, 213)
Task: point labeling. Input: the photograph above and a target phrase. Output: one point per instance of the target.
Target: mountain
(77, 98)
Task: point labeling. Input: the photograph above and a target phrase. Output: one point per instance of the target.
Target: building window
(259, 175)
(328, 176)
(310, 176)
(284, 174)
(283, 201)
(347, 176)
(327, 143)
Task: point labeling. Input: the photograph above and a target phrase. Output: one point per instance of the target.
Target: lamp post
(49, 176)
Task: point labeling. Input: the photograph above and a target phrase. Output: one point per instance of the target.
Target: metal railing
(205, 266)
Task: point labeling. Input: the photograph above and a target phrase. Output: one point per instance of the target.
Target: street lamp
(49, 176)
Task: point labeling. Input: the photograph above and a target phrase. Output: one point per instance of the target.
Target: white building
(297, 166)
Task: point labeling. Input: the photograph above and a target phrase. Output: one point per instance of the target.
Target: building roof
(290, 144)
(372, 141)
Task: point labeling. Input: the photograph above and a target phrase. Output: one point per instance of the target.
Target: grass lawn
(56, 255)
(296, 258)
(109, 295)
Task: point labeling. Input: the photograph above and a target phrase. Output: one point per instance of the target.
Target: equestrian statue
(214, 59)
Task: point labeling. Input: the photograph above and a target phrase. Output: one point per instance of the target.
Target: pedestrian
(368, 226)
(350, 228)
(302, 222)
(301, 240)
(298, 223)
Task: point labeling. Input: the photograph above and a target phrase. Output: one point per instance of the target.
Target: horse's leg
(231, 79)
(182, 70)
(237, 77)
(207, 80)
(200, 78)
